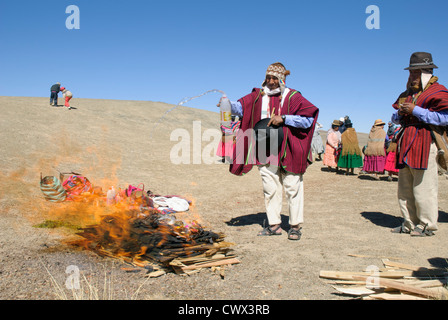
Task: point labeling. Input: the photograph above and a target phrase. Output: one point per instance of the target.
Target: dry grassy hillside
(119, 143)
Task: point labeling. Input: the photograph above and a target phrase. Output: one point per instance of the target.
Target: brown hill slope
(115, 143)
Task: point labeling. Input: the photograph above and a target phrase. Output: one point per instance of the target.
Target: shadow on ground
(389, 221)
(257, 218)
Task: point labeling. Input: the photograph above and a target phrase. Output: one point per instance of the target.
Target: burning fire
(133, 223)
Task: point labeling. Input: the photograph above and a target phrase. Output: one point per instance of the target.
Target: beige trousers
(274, 182)
(418, 194)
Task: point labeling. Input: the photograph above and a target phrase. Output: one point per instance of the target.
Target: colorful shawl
(294, 153)
(414, 140)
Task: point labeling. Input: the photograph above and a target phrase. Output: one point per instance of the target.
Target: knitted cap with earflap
(277, 70)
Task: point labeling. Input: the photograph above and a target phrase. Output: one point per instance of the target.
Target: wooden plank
(404, 287)
(419, 269)
(211, 264)
(155, 274)
(203, 258)
(354, 290)
(344, 275)
(368, 256)
(425, 283)
(346, 282)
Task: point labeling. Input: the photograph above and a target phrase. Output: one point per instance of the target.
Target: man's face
(272, 82)
(415, 78)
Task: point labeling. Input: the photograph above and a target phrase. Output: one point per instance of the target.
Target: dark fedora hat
(265, 136)
(421, 60)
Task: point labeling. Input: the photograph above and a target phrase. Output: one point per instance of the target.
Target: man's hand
(406, 108)
(276, 121)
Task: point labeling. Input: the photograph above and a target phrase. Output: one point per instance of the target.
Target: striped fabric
(296, 145)
(229, 130)
(52, 189)
(414, 140)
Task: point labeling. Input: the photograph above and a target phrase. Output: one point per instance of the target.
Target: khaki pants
(273, 184)
(418, 194)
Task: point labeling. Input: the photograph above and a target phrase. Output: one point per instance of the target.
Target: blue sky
(168, 50)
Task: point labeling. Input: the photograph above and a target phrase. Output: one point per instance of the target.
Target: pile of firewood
(395, 281)
(158, 244)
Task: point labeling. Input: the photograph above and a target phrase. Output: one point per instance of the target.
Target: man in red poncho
(423, 104)
(284, 167)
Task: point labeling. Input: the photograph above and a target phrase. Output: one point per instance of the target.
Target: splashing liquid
(184, 100)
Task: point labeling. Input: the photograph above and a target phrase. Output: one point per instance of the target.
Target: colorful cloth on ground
(52, 189)
(414, 140)
(296, 146)
(75, 186)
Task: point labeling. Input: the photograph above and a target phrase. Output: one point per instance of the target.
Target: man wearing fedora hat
(424, 104)
(274, 106)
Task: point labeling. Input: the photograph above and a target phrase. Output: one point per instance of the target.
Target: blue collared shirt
(430, 117)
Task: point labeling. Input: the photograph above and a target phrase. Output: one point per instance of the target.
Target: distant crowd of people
(342, 149)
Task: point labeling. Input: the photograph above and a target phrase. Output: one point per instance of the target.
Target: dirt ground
(123, 142)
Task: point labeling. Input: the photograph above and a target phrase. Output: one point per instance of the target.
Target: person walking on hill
(54, 90)
(67, 95)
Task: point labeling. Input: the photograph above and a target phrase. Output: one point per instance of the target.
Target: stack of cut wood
(395, 281)
(151, 243)
(217, 256)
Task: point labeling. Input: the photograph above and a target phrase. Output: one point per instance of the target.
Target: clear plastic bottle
(226, 112)
(111, 193)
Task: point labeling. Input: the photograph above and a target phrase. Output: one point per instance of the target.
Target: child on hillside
(67, 95)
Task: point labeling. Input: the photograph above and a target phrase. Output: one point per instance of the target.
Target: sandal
(419, 232)
(400, 229)
(294, 234)
(270, 231)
